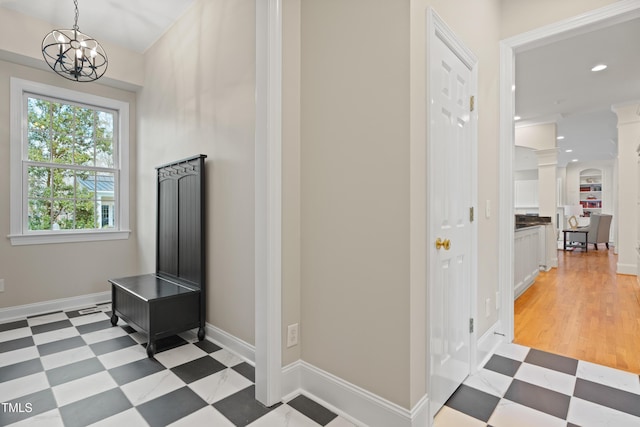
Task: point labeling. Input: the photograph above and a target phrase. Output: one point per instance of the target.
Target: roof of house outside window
(102, 183)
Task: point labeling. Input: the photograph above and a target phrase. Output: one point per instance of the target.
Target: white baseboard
(631, 269)
(420, 413)
(355, 404)
(232, 343)
(488, 343)
(82, 301)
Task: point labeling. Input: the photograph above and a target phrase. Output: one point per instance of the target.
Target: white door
(451, 154)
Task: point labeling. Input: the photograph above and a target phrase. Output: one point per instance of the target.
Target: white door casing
(451, 159)
(268, 202)
(638, 216)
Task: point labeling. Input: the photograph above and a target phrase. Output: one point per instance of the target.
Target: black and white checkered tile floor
(524, 387)
(74, 369)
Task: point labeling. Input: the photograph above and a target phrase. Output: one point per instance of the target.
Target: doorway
(598, 19)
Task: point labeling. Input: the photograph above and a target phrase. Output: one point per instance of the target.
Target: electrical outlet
(487, 307)
(292, 335)
(497, 300)
(1, 285)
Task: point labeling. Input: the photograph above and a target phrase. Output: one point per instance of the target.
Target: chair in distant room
(598, 231)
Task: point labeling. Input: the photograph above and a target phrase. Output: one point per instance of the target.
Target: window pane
(104, 153)
(84, 151)
(105, 187)
(62, 123)
(39, 148)
(85, 184)
(63, 184)
(39, 215)
(104, 139)
(39, 182)
(63, 215)
(85, 214)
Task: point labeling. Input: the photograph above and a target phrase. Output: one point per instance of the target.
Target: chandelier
(74, 55)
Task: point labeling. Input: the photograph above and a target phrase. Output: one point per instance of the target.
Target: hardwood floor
(582, 309)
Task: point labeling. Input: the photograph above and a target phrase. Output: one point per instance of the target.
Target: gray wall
(199, 97)
(355, 192)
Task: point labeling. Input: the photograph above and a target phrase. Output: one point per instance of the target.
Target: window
(69, 169)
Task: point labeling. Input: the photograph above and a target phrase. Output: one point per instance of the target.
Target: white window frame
(19, 233)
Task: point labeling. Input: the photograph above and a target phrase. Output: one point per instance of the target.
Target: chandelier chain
(75, 23)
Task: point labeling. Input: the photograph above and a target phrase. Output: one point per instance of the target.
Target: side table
(584, 245)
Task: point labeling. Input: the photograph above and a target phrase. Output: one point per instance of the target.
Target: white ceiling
(555, 83)
(134, 24)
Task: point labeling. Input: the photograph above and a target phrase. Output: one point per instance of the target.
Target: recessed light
(560, 137)
(516, 118)
(568, 151)
(574, 160)
(599, 67)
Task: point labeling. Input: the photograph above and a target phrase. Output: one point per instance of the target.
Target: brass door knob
(446, 244)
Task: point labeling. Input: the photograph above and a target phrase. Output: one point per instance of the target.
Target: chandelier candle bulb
(60, 44)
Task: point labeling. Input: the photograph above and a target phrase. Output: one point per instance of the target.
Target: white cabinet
(542, 247)
(527, 257)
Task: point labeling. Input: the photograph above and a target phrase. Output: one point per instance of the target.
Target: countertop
(525, 221)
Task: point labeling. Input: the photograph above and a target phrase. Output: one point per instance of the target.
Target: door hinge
(472, 102)
(471, 325)
(471, 214)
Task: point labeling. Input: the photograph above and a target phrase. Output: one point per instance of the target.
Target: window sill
(67, 237)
